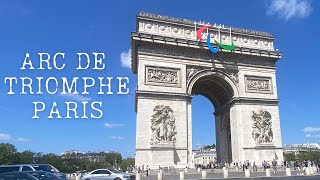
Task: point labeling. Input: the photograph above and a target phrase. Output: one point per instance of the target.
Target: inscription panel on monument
(162, 76)
(258, 84)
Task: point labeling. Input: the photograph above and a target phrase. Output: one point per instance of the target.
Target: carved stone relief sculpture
(163, 125)
(234, 76)
(158, 75)
(258, 84)
(192, 71)
(262, 126)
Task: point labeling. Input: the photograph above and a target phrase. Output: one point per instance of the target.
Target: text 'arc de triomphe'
(173, 65)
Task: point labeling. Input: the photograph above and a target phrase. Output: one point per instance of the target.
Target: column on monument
(189, 130)
(235, 132)
(218, 137)
(225, 138)
(143, 132)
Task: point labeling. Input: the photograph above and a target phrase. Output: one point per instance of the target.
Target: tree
(311, 155)
(52, 159)
(289, 156)
(27, 157)
(8, 154)
(213, 146)
(114, 159)
(126, 163)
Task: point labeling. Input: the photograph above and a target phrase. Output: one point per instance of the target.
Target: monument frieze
(162, 76)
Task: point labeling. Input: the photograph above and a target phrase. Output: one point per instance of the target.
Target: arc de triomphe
(173, 65)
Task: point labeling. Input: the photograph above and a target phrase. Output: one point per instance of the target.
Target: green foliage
(9, 155)
(28, 157)
(312, 155)
(213, 146)
(126, 163)
(289, 156)
(114, 159)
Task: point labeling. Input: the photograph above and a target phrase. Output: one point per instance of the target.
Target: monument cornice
(191, 23)
(175, 47)
(248, 100)
(162, 95)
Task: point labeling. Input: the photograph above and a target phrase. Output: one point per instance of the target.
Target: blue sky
(105, 26)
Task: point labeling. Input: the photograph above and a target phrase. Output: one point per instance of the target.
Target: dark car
(48, 168)
(32, 167)
(29, 175)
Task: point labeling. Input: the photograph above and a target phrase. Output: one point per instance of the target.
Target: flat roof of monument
(192, 22)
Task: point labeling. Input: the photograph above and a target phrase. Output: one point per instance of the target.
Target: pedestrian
(142, 168)
(243, 165)
(285, 164)
(264, 165)
(274, 166)
(254, 166)
(147, 174)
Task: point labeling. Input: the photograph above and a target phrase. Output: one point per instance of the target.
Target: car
(43, 175)
(29, 175)
(99, 174)
(16, 175)
(32, 167)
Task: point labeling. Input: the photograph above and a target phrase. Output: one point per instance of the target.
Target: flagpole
(207, 30)
(195, 29)
(230, 37)
(219, 34)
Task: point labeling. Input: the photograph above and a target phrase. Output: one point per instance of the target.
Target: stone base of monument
(163, 155)
(191, 166)
(181, 165)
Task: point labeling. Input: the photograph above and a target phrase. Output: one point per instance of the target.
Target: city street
(217, 174)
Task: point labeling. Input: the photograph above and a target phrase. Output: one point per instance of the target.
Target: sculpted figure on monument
(258, 84)
(161, 76)
(163, 125)
(262, 130)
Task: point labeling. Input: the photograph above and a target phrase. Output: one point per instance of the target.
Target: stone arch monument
(172, 66)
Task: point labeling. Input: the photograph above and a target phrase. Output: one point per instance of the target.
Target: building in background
(298, 148)
(204, 157)
(96, 156)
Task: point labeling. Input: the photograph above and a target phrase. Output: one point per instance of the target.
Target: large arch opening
(220, 92)
(204, 132)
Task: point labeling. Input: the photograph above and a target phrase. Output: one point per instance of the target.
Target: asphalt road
(217, 174)
(234, 175)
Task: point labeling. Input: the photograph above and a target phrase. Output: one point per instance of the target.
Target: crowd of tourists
(299, 166)
(144, 169)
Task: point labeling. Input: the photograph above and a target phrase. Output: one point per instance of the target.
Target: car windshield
(47, 168)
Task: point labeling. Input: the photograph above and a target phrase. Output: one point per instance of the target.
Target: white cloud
(287, 9)
(310, 129)
(8, 137)
(5, 137)
(119, 138)
(313, 135)
(108, 125)
(20, 139)
(125, 58)
(75, 97)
